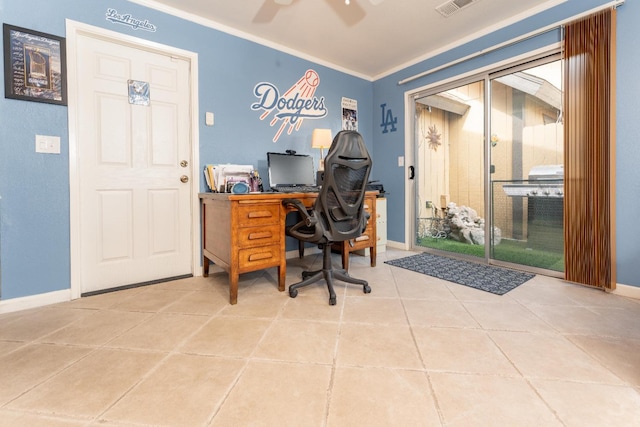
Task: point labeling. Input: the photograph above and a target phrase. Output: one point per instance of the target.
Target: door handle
(412, 172)
(184, 178)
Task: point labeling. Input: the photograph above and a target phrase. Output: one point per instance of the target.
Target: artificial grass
(512, 251)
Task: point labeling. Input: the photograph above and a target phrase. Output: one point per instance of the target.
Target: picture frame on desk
(239, 187)
(34, 66)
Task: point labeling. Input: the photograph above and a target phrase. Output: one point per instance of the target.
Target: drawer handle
(258, 257)
(261, 235)
(260, 214)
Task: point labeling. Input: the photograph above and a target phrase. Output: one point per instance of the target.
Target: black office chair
(338, 213)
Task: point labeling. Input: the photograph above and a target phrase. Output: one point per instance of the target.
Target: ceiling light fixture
(347, 2)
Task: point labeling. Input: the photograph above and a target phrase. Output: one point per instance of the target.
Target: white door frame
(74, 30)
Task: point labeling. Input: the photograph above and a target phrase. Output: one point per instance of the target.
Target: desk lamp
(321, 138)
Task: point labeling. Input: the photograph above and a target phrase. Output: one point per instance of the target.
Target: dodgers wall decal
(291, 108)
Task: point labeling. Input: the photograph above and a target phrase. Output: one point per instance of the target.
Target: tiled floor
(417, 351)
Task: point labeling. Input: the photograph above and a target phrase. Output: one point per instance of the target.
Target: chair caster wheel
(332, 301)
(293, 293)
(366, 289)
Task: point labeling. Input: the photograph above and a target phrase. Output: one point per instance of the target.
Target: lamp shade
(321, 138)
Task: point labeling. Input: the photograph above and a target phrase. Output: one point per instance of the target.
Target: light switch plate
(47, 144)
(208, 118)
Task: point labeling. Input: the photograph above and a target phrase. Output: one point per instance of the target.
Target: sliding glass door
(527, 185)
(488, 159)
(450, 191)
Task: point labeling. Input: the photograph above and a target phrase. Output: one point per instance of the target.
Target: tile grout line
(427, 375)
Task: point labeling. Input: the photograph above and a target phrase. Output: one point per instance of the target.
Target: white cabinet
(381, 228)
(381, 224)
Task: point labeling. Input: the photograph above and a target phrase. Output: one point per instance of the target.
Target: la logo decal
(388, 120)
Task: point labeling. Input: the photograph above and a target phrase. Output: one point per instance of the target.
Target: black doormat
(496, 280)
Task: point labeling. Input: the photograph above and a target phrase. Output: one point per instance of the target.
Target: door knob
(184, 163)
(184, 178)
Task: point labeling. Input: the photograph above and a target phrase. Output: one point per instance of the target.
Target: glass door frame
(413, 158)
(522, 66)
(411, 149)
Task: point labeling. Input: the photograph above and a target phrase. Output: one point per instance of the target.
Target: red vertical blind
(589, 139)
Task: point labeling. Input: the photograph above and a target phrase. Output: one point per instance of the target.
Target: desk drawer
(259, 236)
(253, 215)
(251, 259)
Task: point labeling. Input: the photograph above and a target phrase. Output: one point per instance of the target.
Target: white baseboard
(397, 245)
(24, 303)
(627, 291)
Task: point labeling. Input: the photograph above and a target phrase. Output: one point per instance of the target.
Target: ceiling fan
(350, 14)
(347, 2)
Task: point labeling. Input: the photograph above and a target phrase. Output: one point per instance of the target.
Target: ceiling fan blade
(268, 11)
(350, 14)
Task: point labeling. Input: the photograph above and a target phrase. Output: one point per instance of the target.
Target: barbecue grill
(544, 181)
(544, 192)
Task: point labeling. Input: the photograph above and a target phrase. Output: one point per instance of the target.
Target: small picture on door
(138, 92)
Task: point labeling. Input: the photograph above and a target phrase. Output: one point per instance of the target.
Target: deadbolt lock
(184, 163)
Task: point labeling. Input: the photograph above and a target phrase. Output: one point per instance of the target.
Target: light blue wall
(387, 147)
(628, 145)
(34, 209)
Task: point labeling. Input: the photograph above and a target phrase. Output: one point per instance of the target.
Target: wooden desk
(245, 232)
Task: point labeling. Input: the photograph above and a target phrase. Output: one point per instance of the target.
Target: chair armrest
(308, 229)
(309, 220)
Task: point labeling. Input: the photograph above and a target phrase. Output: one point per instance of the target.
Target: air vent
(452, 6)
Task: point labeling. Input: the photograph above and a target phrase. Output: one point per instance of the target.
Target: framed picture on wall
(34, 66)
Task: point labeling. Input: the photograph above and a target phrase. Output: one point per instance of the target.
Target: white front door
(135, 211)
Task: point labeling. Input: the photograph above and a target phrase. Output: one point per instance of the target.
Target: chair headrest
(349, 145)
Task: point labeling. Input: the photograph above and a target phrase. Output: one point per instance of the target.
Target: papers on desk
(220, 178)
(209, 177)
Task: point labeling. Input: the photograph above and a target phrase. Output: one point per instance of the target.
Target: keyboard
(296, 189)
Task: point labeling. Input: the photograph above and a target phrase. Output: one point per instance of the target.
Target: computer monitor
(290, 169)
